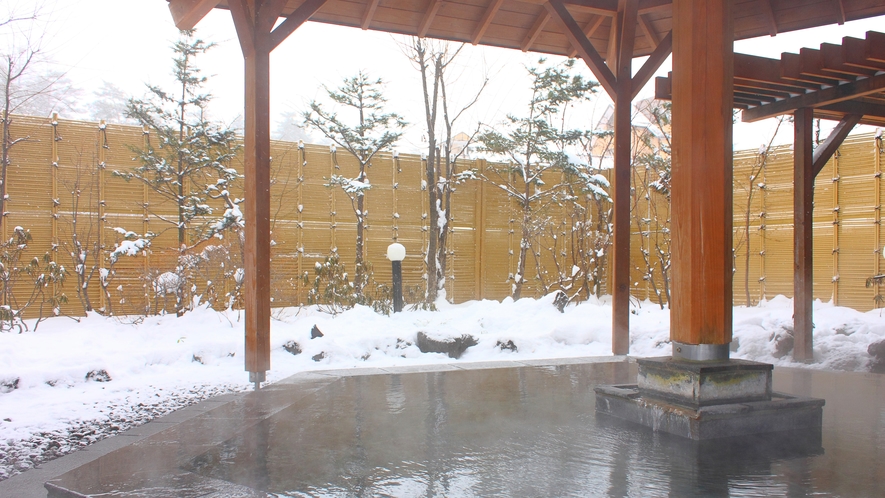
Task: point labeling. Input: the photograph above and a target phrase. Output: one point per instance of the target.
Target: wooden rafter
(768, 12)
(854, 52)
(486, 21)
(535, 31)
(589, 29)
(833, 60)
(428, 17)
(585, 49)
(827, 96)
(187, 13)
(369, 14)
(612, 55)
(839, 9)
(503, 23)
(791, 69)
(649, 32)
(610, 7)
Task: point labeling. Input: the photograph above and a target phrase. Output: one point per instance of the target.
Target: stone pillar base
(707, 400)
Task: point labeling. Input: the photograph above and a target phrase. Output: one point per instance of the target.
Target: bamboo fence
(310, 220)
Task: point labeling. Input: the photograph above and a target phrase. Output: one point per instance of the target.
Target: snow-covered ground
(50, 404)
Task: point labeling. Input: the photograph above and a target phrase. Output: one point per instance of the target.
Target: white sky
(127, 43)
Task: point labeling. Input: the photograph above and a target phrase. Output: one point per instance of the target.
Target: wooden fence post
(479, 224)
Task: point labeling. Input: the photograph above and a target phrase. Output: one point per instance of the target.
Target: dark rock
(292, 347)
(401, 344)
(783, 342)
(315, 332)
(560, 301)
(198, 359)
(319, 357)
(98, 376)
(454, 347)
(509, 346)
(8, 385)
(877, 356)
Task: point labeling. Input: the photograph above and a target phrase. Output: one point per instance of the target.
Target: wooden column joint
(826, 150)
(582, 44)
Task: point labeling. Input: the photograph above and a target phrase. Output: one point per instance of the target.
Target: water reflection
(502, 432)
(507, 432)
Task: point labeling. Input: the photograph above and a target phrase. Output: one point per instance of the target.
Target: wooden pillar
(623, 97)
(257, 212)
(619, 82)
(255, 21)
(803, 199)
(701, 199)
(807, 164)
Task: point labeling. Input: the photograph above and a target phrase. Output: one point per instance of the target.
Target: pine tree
(533, 145)
(187, 160)
(373, 131)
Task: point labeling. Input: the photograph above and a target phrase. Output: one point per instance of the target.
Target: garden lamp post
(396, 253)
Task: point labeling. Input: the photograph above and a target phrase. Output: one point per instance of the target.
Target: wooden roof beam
(768, 12)
(826, 150)
(585, 49)
(611, 57)
(827, 96)
(649, 32)
(369, 14)
(872, 114)
(535, 31)
(839, 8)
(486, 21)
(589, 30)
(187, 13)
(301, 15)
(428, 17)
(610, 7)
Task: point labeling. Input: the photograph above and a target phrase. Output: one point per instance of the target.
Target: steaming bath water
(484, 430)
(534, 432)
